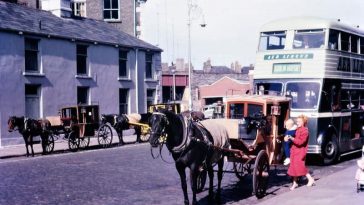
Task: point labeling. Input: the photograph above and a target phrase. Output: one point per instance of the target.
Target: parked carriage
(255, 125)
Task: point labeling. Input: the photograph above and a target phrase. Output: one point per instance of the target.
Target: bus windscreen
(304, 94)
(272, 40)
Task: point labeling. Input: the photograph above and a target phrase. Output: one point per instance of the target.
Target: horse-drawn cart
(79, 123)
(256, 136)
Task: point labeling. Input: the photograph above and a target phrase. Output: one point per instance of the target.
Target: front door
(32, 101)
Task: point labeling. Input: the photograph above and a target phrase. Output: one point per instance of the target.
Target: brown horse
(29, 128)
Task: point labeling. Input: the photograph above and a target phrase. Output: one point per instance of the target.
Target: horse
(121, 122)
(188, 147)
(30, 128)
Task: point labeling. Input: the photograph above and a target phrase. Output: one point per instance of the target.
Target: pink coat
(297, 166)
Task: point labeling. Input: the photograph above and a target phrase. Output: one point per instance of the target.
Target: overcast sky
(232, 27)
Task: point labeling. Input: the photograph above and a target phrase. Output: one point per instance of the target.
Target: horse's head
(13, 123)
(158, 123)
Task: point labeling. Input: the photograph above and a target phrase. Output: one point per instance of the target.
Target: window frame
(111, 9)
(81, 10)
(149, 66)
(123, 60)
(86, 63)
(35, 52)
(127, 99)
(87, 89)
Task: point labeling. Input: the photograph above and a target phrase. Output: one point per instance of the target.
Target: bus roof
(259, 98)
(304, 23)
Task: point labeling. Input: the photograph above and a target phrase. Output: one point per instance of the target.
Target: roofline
(77, 39)
(222, 79)
(301, 23)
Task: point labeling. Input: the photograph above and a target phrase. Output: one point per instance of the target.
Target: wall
(59, 83)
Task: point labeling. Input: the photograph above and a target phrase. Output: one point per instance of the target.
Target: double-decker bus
(319, 64)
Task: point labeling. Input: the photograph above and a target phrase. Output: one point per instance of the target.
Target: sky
(232, 26)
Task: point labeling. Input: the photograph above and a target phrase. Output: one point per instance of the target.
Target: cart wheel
(201, 180)
(50, 144)
(104, 135)
(239, 170)
(144, 138)
(73, 141)
(260, 174)
(84, 142)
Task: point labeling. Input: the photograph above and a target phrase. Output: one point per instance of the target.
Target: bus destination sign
(289, 56)
(286, 68)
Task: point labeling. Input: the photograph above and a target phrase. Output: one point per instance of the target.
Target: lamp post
(173, 70)
(191, 7)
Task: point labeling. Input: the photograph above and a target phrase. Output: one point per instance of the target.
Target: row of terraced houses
(47, 62)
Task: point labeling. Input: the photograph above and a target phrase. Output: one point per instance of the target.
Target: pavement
(60, 146)
(335, 189)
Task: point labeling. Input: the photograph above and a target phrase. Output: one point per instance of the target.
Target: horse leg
(182, 175)
(194, 172)
(210, 172)
(26, 140)
(120, 135)
(44, 143)
(220, 165)
(138, 132)
(31, 144)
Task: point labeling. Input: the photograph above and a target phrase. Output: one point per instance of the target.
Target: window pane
(31, 60)
(115, 14)
(333, 39)
(31, 90)
(115, 4)
(254, 109)
(344, 41)
(123, 54)
(122, 68)
(304, 94)
(354, 44)
(107, 4)
(269, 88)
(31, 44)
(309, 39)
(107, 14)
(82, 95)
(81, 50)
(148, 70)
(272, 40)
(81, 65)
(236, 111)
(123, 101)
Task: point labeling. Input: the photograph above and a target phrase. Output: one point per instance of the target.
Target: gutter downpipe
(136, 81)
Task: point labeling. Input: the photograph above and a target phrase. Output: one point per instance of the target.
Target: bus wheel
(330, 151)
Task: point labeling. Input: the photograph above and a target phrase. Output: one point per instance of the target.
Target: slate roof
(17, 18)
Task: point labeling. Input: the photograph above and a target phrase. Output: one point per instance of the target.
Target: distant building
(48, 62)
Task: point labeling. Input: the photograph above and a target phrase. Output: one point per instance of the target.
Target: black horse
(189, 148)
(121, 122)
(30, 128)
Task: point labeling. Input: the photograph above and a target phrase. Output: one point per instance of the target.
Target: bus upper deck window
(333, 39)
(304, 39)
(272, 40)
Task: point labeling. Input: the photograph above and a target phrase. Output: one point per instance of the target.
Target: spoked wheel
(73, 141)
(201, 180)
(144, 138)
(84, 142)
(104, 135)
(261, 174)
(49, 146)
(239, 170)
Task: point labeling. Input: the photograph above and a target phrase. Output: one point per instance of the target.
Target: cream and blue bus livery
(319, 64)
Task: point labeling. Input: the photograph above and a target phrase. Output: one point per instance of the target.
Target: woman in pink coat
(297, 167)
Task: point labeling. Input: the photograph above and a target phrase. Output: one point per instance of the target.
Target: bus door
(357, 132)
(345, 136)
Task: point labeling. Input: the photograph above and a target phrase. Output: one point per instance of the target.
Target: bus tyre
(330, 151)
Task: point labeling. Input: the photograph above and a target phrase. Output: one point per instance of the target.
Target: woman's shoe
(293, 187)
(311, 183)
